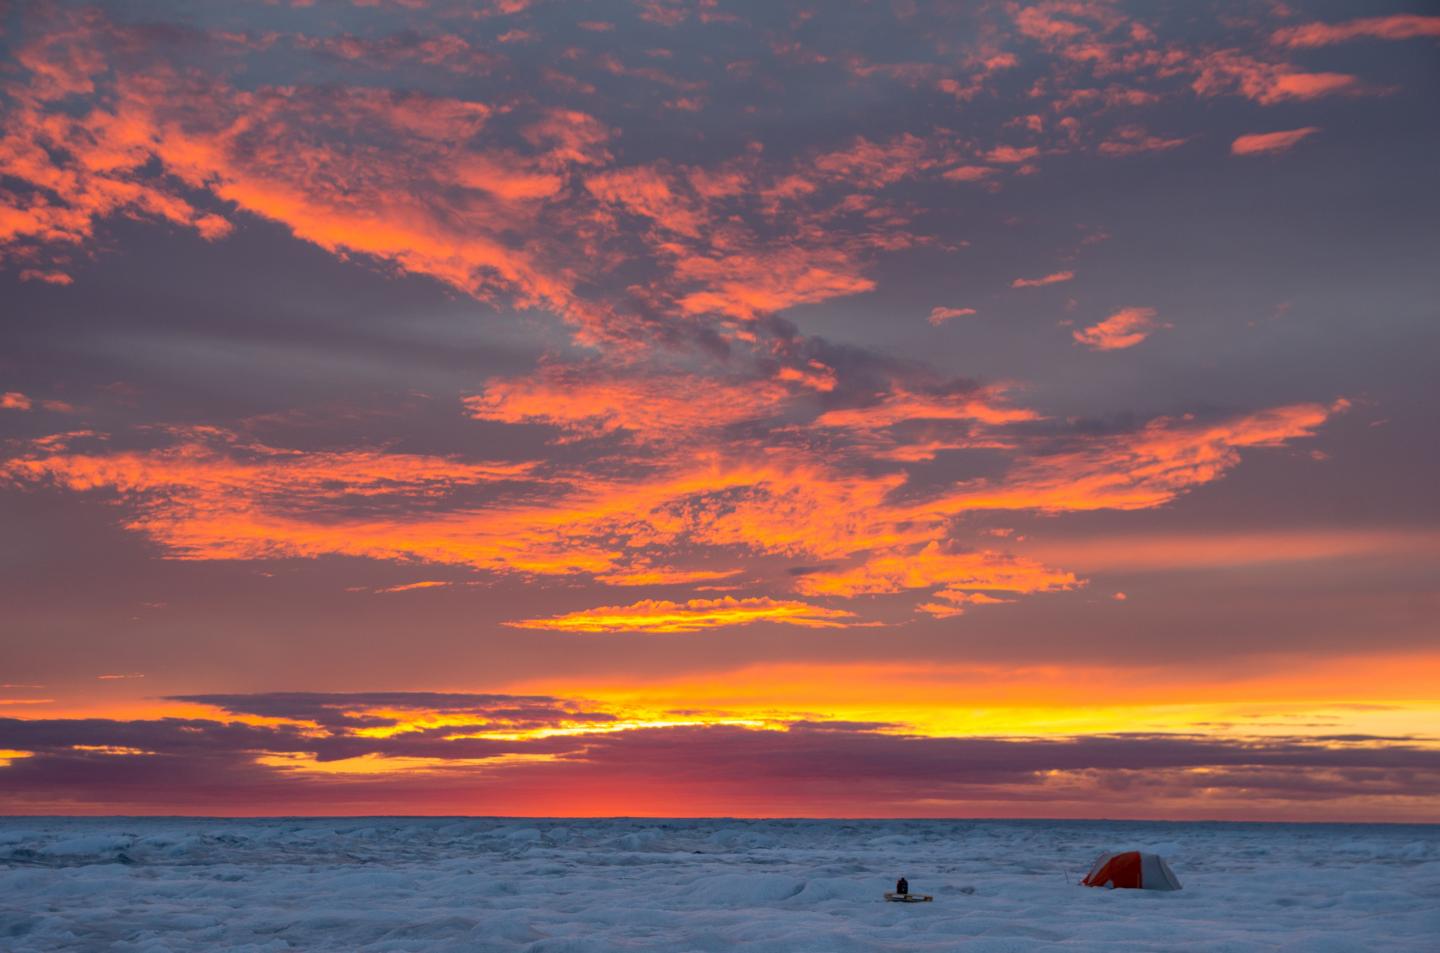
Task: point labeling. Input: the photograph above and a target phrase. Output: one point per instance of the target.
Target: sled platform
(909, 897)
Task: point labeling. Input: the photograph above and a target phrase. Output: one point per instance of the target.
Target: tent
(1132, 868)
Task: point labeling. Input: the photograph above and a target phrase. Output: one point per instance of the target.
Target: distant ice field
(587, 886)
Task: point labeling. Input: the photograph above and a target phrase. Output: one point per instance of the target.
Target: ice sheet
(373, 884)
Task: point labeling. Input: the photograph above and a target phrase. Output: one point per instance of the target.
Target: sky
(850, 409)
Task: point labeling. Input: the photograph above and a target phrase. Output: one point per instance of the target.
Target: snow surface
(581, 886)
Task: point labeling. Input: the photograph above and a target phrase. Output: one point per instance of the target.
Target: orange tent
(1132, 868)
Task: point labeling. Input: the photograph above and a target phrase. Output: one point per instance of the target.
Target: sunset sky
(720, 408)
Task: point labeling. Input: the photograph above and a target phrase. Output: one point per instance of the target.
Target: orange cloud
(499, 202)
(1011, 155)
(875, 165)
(646, 192)
(508, 177)
(985, 405)
(589, 401)
(1307, 85)
(746, 285)
(411, 586)
(213, 496)
(697, 509)
(1229, 71)
(1132, 140)
(1267, 142)
(1089, 44)
(672, 617)
(777, 458)
(930, 566)
(1398, 27)
(939, 316)
(59, 277)
(14, 400)
(431, 185)
(665, 577)
(1056, 22)
(955, 601)
(1051, 279)
(1125, 328)
(968, 173)
(300, 172)
(449, 202)
(1141, 470)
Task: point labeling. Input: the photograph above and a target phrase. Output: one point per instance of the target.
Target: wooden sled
(908, 897)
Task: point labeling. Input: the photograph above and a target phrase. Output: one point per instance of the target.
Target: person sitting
(902, 887)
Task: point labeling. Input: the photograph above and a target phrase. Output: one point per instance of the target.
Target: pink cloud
(646, 192)
(1227, 72)
(1308, 85)
(1131, 140)
(14, 400)
(48, 277)
(1050, 279)
(874, 165)
(939, 316)
(968, 173)
(1267, 142)
(1011, 155)
(1125, 328)
(1399, 27)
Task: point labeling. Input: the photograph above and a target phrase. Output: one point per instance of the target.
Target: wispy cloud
(659, 616)
(969, 173)
(1396, 27)
(1261, 143)
(412, 586)
(1054, 278)
(939, 316)
(1133, 140)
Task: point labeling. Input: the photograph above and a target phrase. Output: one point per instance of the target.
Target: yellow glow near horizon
(379, 764)
(1322, 698)
(1387, 696)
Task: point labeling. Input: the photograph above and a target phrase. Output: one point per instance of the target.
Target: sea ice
(589, 886)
